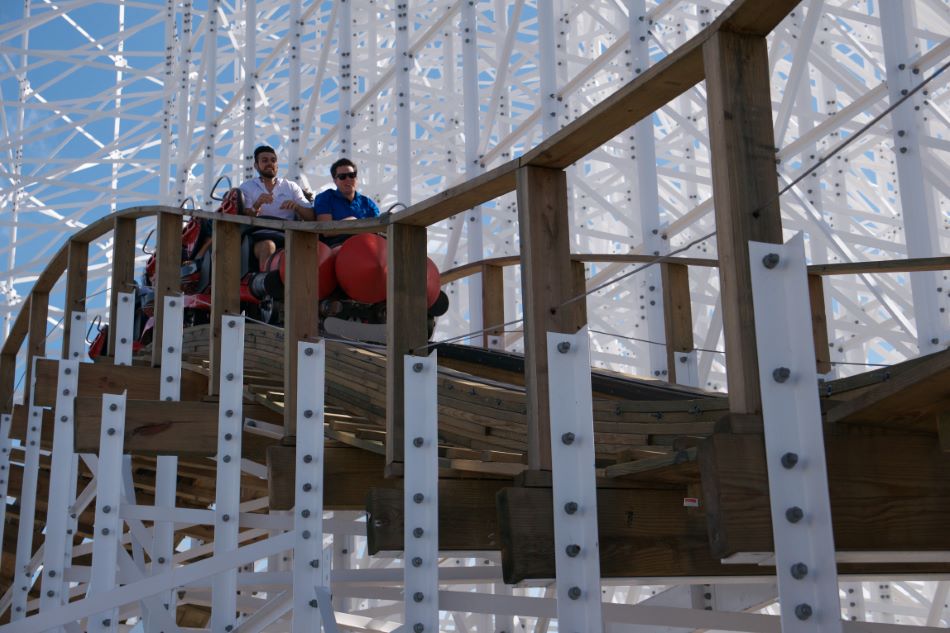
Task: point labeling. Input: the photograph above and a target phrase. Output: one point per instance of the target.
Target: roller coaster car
(352, 282)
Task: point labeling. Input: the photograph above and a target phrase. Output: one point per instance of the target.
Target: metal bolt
(418, 442)
(573, 550)
(781, 374)
(307, 487)
(172, 303)
(306, 534)
(65, 393)
(418, 627)
(308, 351)
(803, 611)
(52, 573)
(315, 563)
(113, 407)
(771, 260)
(418, 532)
(229, 413)
(574, 593)
(161, 560)
(64, 418)
(417, 367)
(231, 323)
(123, 340)
(226, 459)
(171, 349)
(230, 376)
(568, 438)
(307, 459)
(105, 531)
(564, 347)
(110, 432)
(417, 561)
(50, 593)
(107, 622)
(308, 413)
(169, 378)
(107, 509)
(799, 571)
(229, 628)
(67, 371)
(789, 460)
(228, 436)
(305, 513)
(794, 514)
(570, 507)
(226, 518)
(417, 596)
(418, 497)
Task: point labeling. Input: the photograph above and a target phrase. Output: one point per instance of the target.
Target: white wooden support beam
(576, 546)
(57, 545)
(77, 339)
(794, 442)
(228, 480)
(108, 525)
(125, 322)
(309, 568)
(421, 489)
(23, 569)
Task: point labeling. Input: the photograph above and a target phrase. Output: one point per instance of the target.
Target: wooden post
(406, 329)
(77, 275)
(36, 341)
(819, 324)
(167, 275)
(301, 314)
(548, 278)
(123, 269)
(225, 289)
(745, 192)
(493, 304)
(677, 313)
(7, 382)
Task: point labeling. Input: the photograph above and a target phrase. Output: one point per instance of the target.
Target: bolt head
(418, 627)
(789, 460)
(418, 532)
(794, 514)
(418, 442)
(573, 550)
(568, 438)
(803, 611)
(418, 596)
(313, 603)
(113, 407)
(771, 260)
(799, 571)
(564, 347)
(570, 507)
(417, 367)
(574, 593)
(781, 374)
(417, 561)
(308, 351)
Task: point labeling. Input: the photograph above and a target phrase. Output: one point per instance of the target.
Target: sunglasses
(344, 176)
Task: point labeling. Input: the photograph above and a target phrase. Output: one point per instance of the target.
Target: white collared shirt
(283, 190)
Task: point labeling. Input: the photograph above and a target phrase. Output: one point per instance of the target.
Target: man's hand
(264, 198)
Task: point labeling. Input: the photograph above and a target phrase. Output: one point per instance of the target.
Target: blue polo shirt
(332, 201)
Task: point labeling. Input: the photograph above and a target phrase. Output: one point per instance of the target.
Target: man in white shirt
(268, 195)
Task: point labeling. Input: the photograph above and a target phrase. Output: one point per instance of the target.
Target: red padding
(361, 268)
(432, 283)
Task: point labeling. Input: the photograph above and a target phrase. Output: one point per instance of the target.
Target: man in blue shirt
(344, 202)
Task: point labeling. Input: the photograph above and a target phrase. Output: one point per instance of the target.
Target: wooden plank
(301, 312)
(888, 492)
(642, 532)
(349, 474)
(36, 340)
(471, 193)
(890, 266)
(467, 519)
(159, 427)
(406, 331)
(745, 192)
(493, 304)
(819, 323)
(545, 264)
(123, 269)
(677, 313)
(168, 273)
(225, 290)
(943, 430)
(77, 275)
(7, 382)
(95, 379)
(19, 330)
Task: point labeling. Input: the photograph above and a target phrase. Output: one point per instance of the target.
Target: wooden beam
(301, 313)
(819, 323)
(888, 492)
(225, 289)
(677, 313)
(95, 379)
(547, 281)
(642, 532)
(36, 341)
(7, 382)
(77, 275)
(123, 269)
(406, 330)
(167, 275)
(745, 192)
(349, 474)
(493, 304)
(467, 518)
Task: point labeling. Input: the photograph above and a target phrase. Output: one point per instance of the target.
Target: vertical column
(36, 339)
(406, 329)
(211, 93)
(123, 272)
(345, 44)
(184, 121)
(124, 321)
(547, 59)
(745, 191)
(250, 85)
(301, 312)
(493, 306)
(308, 489)
(77, 274)
(225, 289)
(819, 323)
(644, 182)
(545, 264)
(8, 376)
(168, 273)
(295, 164)
(164, 169)
(921, 228)
(403, 98)
(62, 487)
(108, 525)
(22, 572)
(794, 442)
(678, 322)
(6, 444)
(476, 292)
(228, 480)
(420, 493)
(576, 548)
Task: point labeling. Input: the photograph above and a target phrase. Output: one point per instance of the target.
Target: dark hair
(261, 149)
(343, 162)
